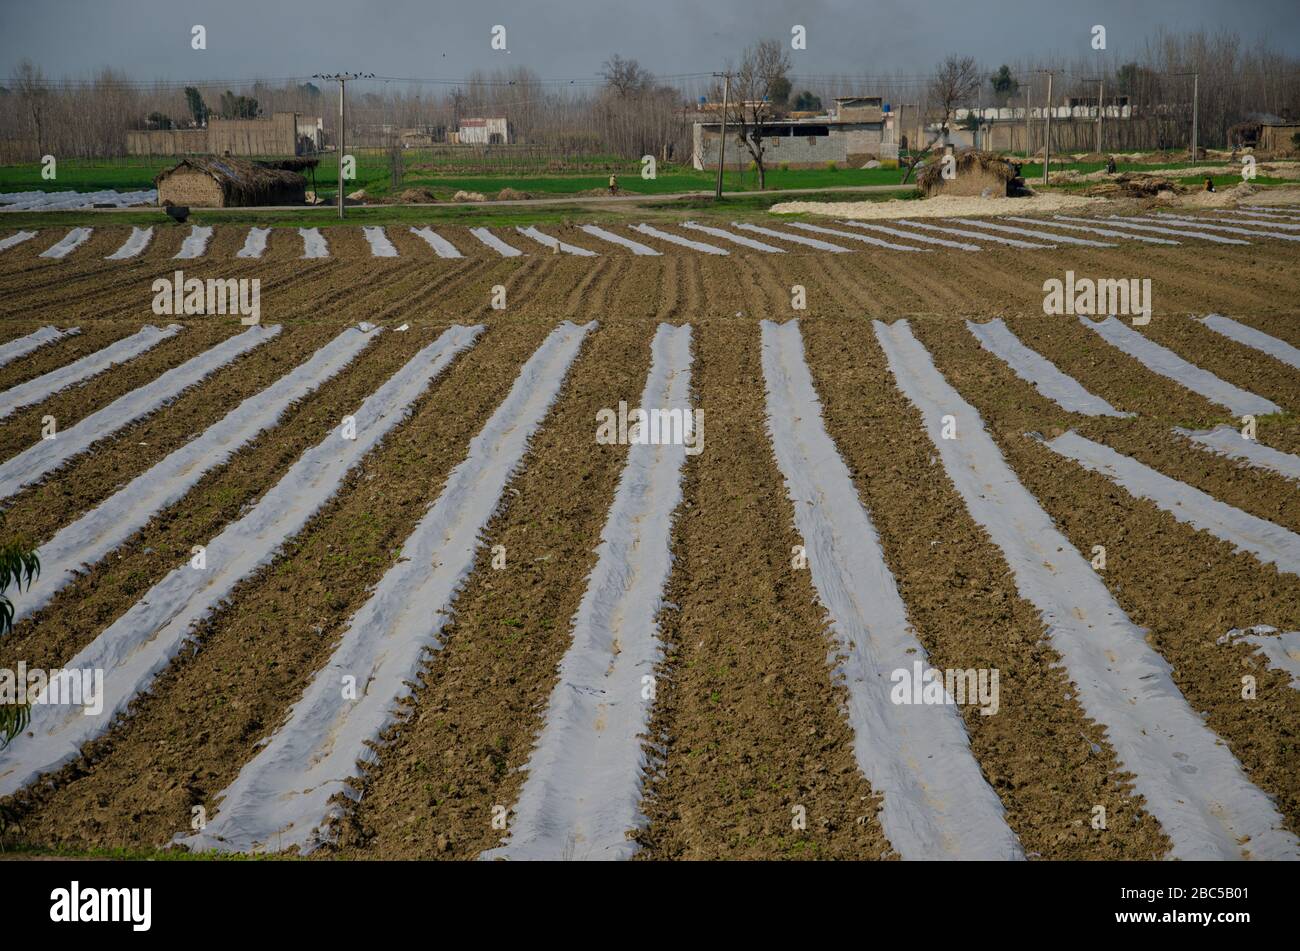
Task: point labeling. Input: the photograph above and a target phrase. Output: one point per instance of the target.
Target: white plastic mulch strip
(496, 244)
(636, 247)
(116, 519)
(72, 200)
(1105, 232)
(793, 238)
(1063, 390)
(46, 385)
(1191, 782)
(739, 239)
(1266, 211)
(441, 246)
(71, 240)
(48, 454)
(24, 345)
(18, 238)
(1030, 233)
(1284, 222)
(132, 246)
(143, 641)
(968, 233)
(1255, 229)
(380, 246)
(254, 244)
(195, 243)
(923, 238)
(1253, 338)
(313, 243)
(678, 239)
(1140, 224)
(937, 804)
(1272, 224)
(1165, 362)
(864, 238)
(1228, 441)
(586, 772)
(547, 241)
(280, 799)
(1270, 543)
(1280, 651)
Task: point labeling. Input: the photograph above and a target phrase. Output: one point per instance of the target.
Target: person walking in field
(613, 184)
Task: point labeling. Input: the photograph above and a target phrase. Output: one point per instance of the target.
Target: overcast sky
(247, 39)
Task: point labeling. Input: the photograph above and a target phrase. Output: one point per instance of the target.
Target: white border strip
(587, 770)
(1106, 232)
(79, 371)
(143, 641)
(441, 246)
(1271, 544)
(1258, 229)
(968, 233)
(48, 454)
(1227, 441)
(195, 243)
(937, 804)
(678, 239)
(281, 797)
(1192, 784)
(496, 244)
(1062, 389)
(1255, 339)
(793, 238)
(133, 246)
(73, 239)
(16, 239)
(864, 238)
(739, 239)
(923, 238)
(14, 349)
(549, 242)
(1030, 233)
(255, 243)
(1160, 359)
(101, 530)
(314, 244)
(380, 245)
(636, 247)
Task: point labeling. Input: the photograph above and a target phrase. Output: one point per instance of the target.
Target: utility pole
(1196, 90)
(1101, 108)
(1047, 133)
(342, 80)
(722, 141)
(1028, 140)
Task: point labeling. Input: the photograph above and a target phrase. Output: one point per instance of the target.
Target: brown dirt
(1186, 587)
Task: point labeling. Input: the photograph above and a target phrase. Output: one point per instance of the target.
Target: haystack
(225, 182)
(978, 173)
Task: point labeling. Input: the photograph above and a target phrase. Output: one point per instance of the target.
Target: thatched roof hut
(225, 182)
(978, 173)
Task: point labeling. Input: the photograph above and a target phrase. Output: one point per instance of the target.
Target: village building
(225, 182)
(856, 130)
(282, 133)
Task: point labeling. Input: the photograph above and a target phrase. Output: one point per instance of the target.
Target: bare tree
(29, 83)
(752, 106)
(626, 77)
(955, 83)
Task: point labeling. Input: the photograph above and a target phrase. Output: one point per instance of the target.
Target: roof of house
(236, 176)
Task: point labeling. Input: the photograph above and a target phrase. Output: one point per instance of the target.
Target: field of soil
(749, 750)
